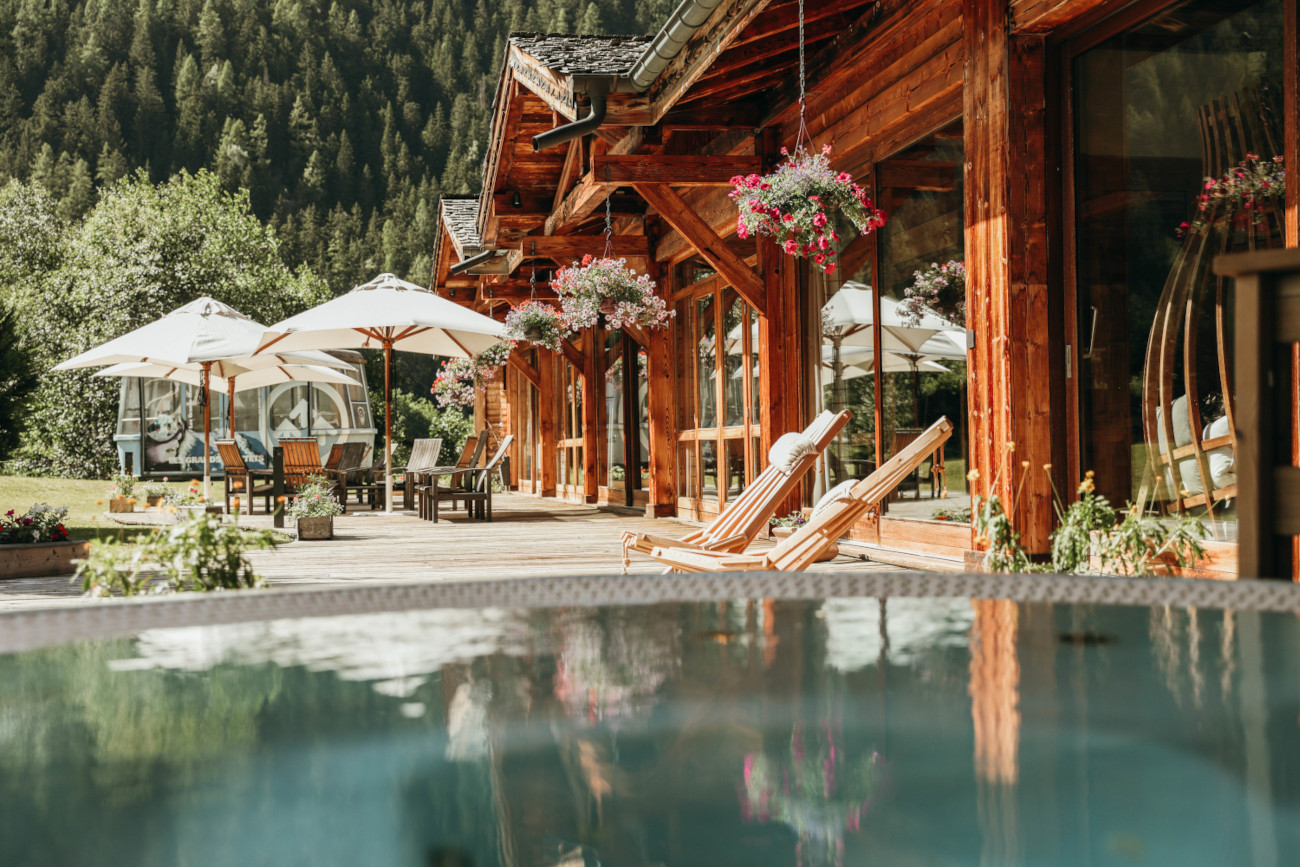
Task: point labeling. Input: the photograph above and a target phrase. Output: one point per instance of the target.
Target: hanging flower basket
(1241, 198)
(459, 378)
(797, 204)
(536, 323)
(940, 290)
(607, 286)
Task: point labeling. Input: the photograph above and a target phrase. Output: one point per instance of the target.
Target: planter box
(154, 501)
(118, 505)
(832, 550)
(40, 559)
(316, 529)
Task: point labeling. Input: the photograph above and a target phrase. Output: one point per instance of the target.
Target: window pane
(1159, 109)
(709, 466)
(688, 471)
(706, 360)
(733, 325)
(614, 470)
(735, 466)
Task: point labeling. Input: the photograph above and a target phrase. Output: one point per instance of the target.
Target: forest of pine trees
(345, 120)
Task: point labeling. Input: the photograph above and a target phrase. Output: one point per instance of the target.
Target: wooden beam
(571, 172)
(529, 372)
(676, 170)
(544, 476)
(577, 205)
(572, 353)
(1010, 366)
(1044, 16)
(566, 247)
(592, 403)
(778, 350)
(786, 20)
(677, 213)
(662, 492)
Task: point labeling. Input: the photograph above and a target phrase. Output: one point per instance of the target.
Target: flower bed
(798, 202)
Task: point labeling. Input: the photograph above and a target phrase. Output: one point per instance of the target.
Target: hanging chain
(609, 216)
(803, 92)
(532, 278)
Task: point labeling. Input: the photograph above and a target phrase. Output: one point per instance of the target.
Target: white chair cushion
(834, 495)
(787, 451)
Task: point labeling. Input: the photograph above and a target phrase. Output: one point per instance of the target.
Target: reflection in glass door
(719, 435)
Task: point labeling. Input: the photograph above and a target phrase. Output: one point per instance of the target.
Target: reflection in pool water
(851, 731)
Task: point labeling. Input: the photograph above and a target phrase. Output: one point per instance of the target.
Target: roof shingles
(573, 54)
(460, 216)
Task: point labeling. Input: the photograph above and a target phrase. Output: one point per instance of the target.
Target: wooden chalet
(1052, 146)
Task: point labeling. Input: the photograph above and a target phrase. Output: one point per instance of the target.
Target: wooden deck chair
(347, 470)
(301, 459)
(469, 457)
(472, 484)
(242, 482)
(744, 518)
(830, 520)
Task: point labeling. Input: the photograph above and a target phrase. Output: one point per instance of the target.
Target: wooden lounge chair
(471, 484)
(347, 469)
(301, 459)
(745, 517)
(469, 457)
(828, 524)
(241, 481)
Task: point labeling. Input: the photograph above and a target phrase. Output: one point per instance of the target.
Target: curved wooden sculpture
(1191, 459)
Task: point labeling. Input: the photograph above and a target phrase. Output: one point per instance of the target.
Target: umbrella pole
(388, 426)
(207, 426)
(230, 402)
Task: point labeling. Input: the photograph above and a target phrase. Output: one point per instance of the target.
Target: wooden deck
(527, 537)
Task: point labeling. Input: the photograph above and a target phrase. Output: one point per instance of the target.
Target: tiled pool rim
(31, 629)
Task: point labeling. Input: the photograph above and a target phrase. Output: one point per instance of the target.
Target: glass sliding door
(718, 365)
(1194, 93)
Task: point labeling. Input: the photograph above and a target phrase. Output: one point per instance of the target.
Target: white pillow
(787, 451)
(834, 495)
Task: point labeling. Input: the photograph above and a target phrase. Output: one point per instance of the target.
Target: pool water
(846, 731)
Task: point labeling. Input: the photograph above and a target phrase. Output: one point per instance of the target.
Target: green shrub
(416, 418)
(201, 553)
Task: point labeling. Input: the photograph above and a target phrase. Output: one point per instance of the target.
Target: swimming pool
(881, 725)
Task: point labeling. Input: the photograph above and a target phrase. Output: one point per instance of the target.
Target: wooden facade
(964, 117)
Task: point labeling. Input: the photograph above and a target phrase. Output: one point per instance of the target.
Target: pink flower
(820, 258)
(844, 178)
(820, 219)
(826, 149)
(787, 218)
(791, 247)
(737, 180)
(823, 244)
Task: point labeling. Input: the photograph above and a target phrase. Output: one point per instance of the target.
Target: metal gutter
(597, 88)
(670, 40)
(479, 259)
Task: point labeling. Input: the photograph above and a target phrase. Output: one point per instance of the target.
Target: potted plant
(797, 204)
(536, 323)
(122, 497)
(314, 508)
(780, 528)
(459, 378)
(606, 287)
(190, 500)
(154, 492)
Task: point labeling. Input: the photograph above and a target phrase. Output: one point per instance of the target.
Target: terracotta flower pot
(316, 529)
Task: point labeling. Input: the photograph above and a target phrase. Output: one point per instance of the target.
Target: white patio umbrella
(205, 334)
(849, 315)
(387, 313)
(249, 379)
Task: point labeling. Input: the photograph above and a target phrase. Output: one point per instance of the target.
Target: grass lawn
(85, 518)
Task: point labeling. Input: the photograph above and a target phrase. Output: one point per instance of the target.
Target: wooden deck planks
(528, 537)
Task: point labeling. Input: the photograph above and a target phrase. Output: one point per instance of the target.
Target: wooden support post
(544, 475)
(1007, 267)
(592, 398)
(662, 493)
(779, 383)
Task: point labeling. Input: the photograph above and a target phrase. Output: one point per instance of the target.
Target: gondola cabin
(160, 421)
